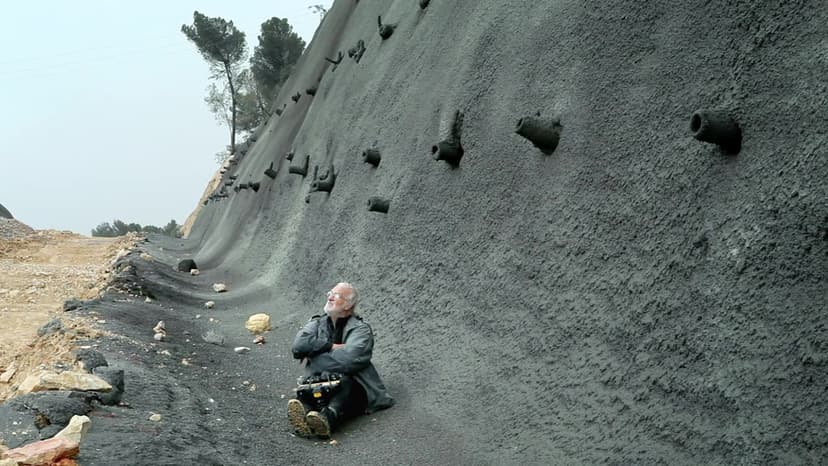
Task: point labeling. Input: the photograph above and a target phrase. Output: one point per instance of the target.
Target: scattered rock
(115, 378)
(155, 417)
(219, 287)
(194, 272)
(209, 304)
(88, 359)
(213, 337)
(6, 376)
(258, 323)
(49, 451)
(52, 326)
(241, 349)
(76, 430)
(187, 265)
(68, 380)
(160, 330)
(259, 340)
(146, 257)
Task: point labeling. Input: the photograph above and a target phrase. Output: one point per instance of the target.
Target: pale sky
(102, 110)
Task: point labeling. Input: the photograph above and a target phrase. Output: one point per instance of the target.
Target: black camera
(316, 390)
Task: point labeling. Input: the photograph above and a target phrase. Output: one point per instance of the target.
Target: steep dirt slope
(635, 295)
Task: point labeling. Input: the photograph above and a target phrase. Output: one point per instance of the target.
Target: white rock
(159, 337)
(241, 349)
(155, 417)
(209, 304)
(76, 429)
(194, 272)
(160, 327)
(219, 287)
(146, 256)
(67, 380)
(9, 373)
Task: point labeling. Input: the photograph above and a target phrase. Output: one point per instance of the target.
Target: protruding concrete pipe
(270, 172)
(717, 127)
(371, 156)
(357, 51)
(450, 149)
(542, 132)
(302, 169)
(325, 182)
(385, 30)
(255, 186)
(335, 62)
(378, 204)
(338, 58)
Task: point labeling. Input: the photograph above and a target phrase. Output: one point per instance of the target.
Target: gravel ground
(11, 229)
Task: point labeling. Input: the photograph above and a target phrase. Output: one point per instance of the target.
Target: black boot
(322, 422)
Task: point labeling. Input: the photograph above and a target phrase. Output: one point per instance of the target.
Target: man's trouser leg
(349, 401)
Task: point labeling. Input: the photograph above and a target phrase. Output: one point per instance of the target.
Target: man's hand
(337, 346)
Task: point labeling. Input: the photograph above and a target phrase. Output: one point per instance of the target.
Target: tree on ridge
(224, 48)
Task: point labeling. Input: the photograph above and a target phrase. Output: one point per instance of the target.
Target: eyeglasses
(335, 295)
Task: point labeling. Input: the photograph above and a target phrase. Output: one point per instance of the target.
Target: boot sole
(296, 416)
(318, 424)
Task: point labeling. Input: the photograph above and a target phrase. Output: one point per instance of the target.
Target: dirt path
(38, 273)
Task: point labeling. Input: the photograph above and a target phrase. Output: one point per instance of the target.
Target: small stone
(209, 304)
(101, 321)
(194, 272)
(160, 327)
(258, 323)
(333, 442)
(219, 287)
(259, 340)
(147, 300)
(159, 337)
(155, 417)
(241, 349)
(8, 374)
(76, 429)
(146, 256)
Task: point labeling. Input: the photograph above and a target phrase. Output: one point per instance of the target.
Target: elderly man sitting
(337, 345)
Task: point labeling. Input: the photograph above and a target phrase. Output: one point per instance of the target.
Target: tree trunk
(232, 109)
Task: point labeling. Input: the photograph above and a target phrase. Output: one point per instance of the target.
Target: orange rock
(65, 462)
(47, 451)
